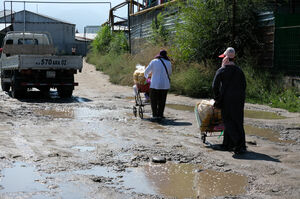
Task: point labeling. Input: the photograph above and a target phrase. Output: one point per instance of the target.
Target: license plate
(50, 74)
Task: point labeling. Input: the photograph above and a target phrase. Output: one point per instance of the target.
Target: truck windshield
(28, 41)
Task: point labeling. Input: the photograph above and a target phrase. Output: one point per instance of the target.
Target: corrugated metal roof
(46, 19)
(86, 36)
(52, 18)
(7, 12)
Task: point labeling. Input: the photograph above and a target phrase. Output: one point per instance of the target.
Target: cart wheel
(134, 111)
(136, 100)
(141, 112)
(139, 100)
(203, 137)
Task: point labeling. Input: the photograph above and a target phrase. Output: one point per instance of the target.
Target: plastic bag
(138, 75)
(207, 115)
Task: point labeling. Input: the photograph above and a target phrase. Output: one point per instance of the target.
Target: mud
(92, 146)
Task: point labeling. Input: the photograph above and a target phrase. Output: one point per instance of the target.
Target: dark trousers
(158, 99)
(233, 118)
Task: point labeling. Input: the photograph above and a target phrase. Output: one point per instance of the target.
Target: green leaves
(159, 31)
(108, 42)
(102, 40)
(207, 27)
(118, 43)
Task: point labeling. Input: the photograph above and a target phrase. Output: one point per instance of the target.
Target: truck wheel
(44, 89)
(5, 86)
(65, 92)
(16, 90)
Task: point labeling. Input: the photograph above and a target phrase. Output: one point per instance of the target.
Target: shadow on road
(248, 155)
(251, 155)
(51, 97)
(169, 122)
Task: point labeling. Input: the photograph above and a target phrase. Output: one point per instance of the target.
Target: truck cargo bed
(42, 62)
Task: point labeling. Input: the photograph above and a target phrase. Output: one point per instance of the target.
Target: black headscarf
(162, 54)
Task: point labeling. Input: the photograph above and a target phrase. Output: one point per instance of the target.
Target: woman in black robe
(229, 87)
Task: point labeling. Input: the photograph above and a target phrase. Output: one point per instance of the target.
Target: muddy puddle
(57, 113)
(22, 180)
(174, 180)
(73, 113)
(262, 115)
(180, 107)
(247, 113)
(265, 133)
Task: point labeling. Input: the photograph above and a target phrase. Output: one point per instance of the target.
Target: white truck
(28, 61)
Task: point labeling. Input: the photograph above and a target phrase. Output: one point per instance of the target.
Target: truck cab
(15, 43)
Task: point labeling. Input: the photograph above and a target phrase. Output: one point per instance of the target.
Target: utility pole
(129, 36)
(233, 20)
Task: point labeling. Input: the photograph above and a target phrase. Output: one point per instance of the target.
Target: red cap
(222, 56)
(229, 52)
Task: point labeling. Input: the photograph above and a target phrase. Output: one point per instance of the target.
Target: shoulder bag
(165, 68)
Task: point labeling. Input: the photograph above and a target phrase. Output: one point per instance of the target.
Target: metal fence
(140, 28)
(287, 43)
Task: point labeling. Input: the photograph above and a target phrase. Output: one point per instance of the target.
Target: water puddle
(57, 113)
(262, 115)
(185, 181)
(23, 181)
(74, 113)
(265, 133)
(84, 148)
(130, 98)
(21, 178)
(170, 180)
(175, 180)
(247, 113)
(180, 107)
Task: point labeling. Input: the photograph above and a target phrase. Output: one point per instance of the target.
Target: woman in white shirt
(161, 69)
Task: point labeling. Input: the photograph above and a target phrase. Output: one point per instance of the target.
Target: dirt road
(91, 146)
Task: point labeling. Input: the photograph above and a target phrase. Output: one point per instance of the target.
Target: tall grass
(119, 67)
(265, 87)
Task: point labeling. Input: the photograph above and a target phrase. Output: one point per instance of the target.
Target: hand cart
(138, 108)
(215, 123)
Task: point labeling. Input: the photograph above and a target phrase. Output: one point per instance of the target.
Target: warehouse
(63, 33)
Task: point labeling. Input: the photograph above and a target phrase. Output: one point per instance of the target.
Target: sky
(80, 14)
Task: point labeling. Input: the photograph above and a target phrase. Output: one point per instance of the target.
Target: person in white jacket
(161, 69)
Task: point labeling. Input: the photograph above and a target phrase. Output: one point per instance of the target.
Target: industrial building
(62, 32)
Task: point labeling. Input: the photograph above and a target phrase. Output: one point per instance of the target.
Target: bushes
(263, 87)
(109, 54)
(195, 81)
(287, 99)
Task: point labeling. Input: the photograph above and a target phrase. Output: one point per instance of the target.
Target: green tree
(207, 26)
(101, 43)
(119, 43)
